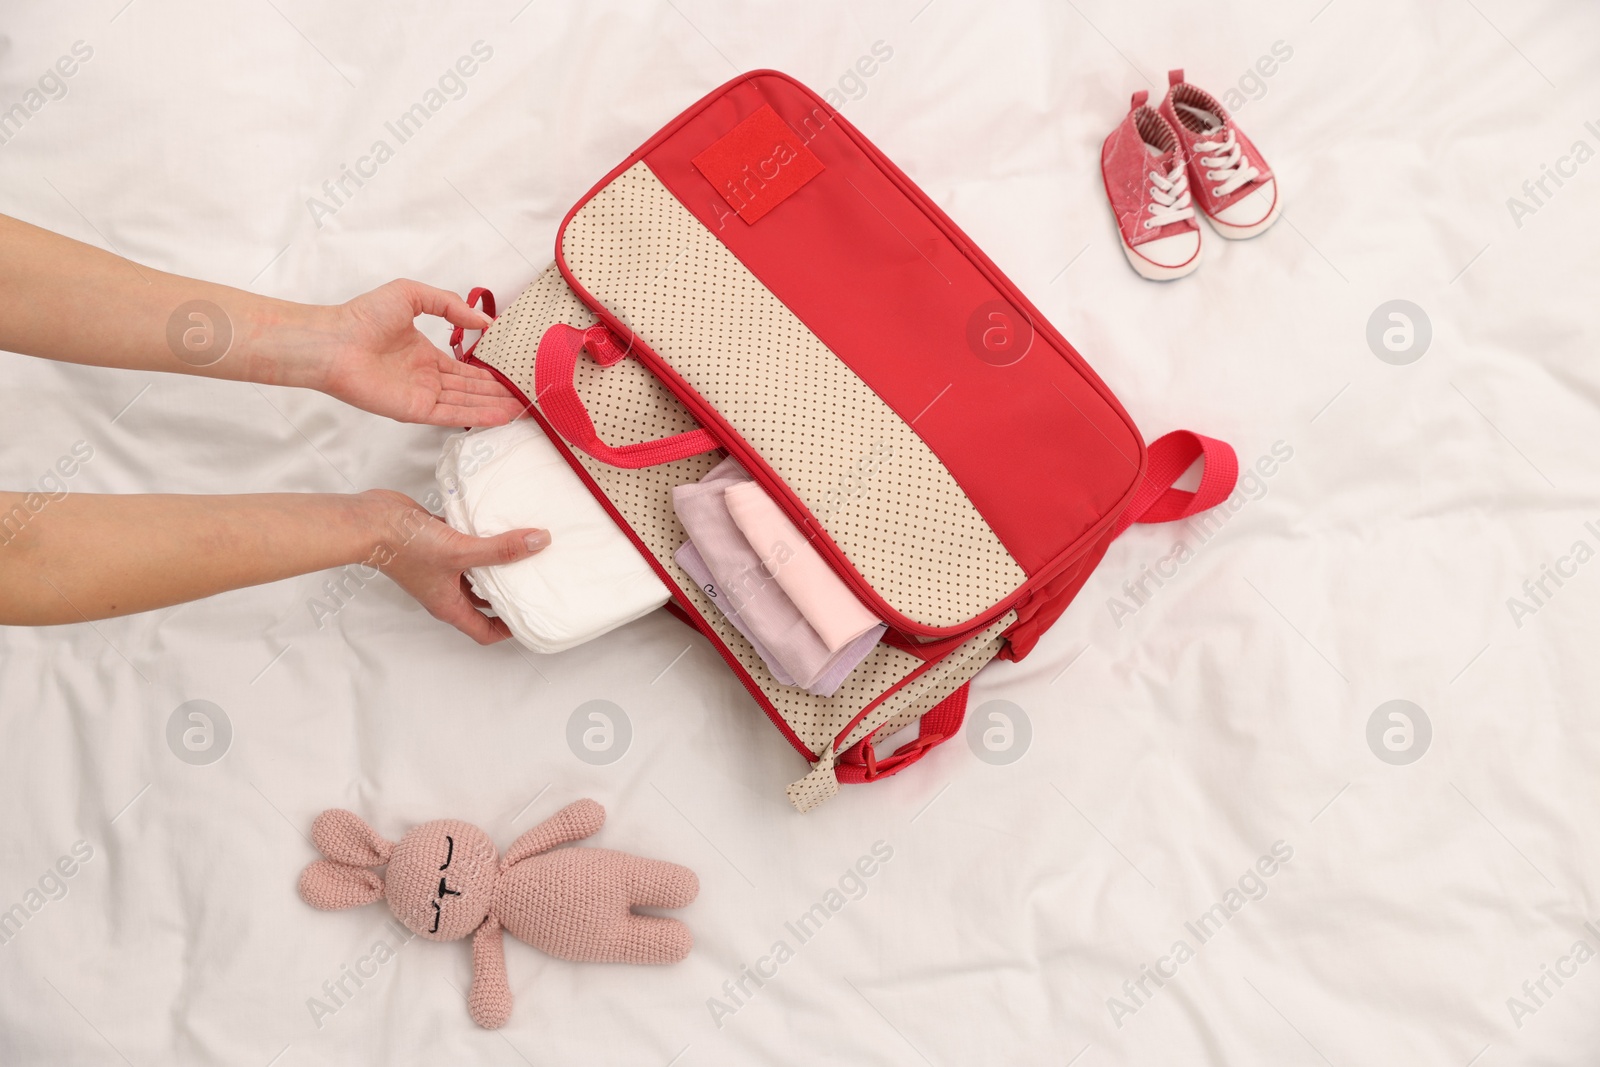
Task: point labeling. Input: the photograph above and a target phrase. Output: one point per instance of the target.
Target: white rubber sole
(1240, 233)
(1156, 272)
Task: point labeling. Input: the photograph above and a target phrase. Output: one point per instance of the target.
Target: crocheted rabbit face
(441, 876)
(441, 879)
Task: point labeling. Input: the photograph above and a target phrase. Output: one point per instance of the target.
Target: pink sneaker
(1142, 163)
(1232, 183)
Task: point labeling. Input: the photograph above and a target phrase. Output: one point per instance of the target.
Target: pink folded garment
(769, 617)
(821, 595)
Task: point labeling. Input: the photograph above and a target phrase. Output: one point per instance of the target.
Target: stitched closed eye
(444, 890)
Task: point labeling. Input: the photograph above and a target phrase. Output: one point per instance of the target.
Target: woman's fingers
(431, 300)
(503, 402)
(469, 620)
(509, 547)
(456, 379)
(459, 610)
(497, 414)
(450, 365)
(431, 562)
(471, 594)
(471, 396)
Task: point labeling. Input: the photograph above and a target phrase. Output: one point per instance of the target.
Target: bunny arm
(574, 822)
(489, 1000)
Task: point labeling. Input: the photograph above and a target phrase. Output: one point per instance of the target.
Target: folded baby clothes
(740, 578)
(694, 566)
(822, 597)
(745, 587)
(839, 665)
(591, 578)
(847, 659)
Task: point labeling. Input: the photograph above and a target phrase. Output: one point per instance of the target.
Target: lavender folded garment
(694, 566)
(768, 616)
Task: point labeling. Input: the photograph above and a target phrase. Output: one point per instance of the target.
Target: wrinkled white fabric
(1193, 706)
(590, 580)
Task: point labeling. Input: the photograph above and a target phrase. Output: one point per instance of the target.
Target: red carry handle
(553, 368)
(1156, 499)
(480, 295)
(860, 762)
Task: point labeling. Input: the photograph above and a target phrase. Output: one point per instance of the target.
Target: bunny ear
(331, 886)
(344, 836)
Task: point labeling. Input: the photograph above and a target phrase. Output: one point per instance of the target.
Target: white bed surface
(1171, 746)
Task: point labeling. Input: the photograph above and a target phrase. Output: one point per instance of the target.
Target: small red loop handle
(1169, 456)
(553, 368)
(480, 295)
(860, 762)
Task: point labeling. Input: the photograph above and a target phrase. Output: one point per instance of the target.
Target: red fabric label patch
(758, 164)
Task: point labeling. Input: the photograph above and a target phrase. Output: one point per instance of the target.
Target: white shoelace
(1228, 165)
(1170, 197)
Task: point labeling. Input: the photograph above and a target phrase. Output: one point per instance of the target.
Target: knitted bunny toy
(445, 881)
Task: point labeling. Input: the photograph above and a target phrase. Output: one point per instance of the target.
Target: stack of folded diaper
(753, 563)
(590, 580)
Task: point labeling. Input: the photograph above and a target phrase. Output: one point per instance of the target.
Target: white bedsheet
(1171, 743)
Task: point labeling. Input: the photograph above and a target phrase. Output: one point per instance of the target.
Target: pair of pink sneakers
(1159, 164)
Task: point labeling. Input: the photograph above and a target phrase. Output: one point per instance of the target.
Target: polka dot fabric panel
(628, 404)
(940, 681)
(894, 510)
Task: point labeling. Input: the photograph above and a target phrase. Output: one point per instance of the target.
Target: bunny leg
(659, 884)
(489, 1000)
(650, 939)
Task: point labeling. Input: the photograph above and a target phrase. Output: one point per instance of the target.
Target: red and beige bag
(759, 280)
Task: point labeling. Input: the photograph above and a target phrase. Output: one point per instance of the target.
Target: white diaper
(589, 580)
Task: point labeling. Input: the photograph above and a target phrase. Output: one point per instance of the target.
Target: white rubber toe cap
(1166, 257)
(1250, 214)
(1172, 251)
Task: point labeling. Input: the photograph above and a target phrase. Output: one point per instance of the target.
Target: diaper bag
(758, 280)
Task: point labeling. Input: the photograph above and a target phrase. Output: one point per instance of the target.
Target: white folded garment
(589, 580)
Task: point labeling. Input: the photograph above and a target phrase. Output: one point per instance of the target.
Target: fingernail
(537, 540)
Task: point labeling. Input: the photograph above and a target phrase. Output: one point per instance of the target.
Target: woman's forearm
(65, 300)
(91, 557)
(81, 557)
(62, 299)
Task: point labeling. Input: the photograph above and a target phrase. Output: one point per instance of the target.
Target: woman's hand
(367, 352)
(377, 360)
(429, 560)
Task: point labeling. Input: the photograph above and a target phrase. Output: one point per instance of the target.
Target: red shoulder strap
(1169, 456)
